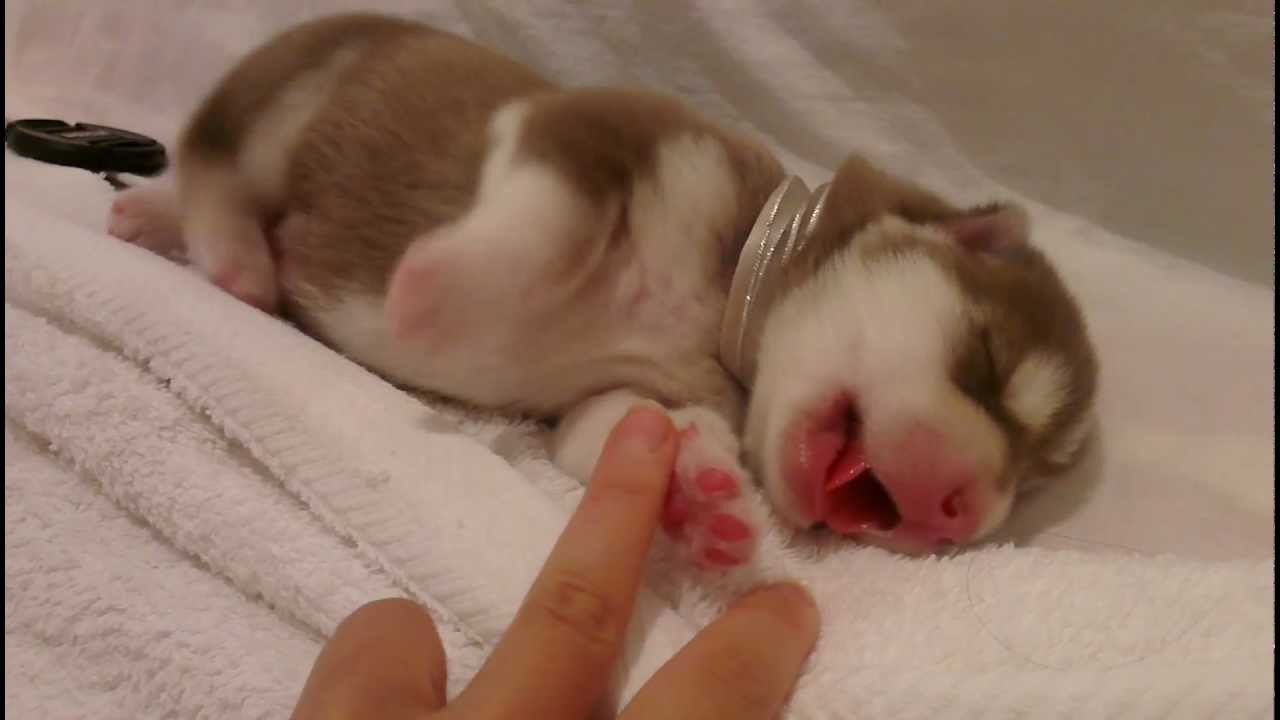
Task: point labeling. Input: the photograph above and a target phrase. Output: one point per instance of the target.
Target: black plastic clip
(96, 148)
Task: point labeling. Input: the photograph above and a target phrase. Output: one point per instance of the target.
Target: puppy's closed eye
(976, 370)
(989, 354)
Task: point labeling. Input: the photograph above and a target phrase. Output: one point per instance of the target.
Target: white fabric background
(1155, 121)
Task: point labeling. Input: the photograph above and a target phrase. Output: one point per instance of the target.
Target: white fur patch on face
(906, 312)
(1037, 390)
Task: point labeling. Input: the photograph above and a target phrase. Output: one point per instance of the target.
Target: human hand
(558, 656)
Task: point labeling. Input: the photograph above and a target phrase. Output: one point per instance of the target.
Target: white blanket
(195, 494)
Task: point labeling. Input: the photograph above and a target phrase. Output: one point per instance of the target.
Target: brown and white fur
(461, 225)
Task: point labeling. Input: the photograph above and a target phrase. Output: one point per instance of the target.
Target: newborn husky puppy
(454, 221)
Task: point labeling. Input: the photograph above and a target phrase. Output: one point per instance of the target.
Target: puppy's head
(924, 364)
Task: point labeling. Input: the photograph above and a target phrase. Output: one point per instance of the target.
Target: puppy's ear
(998, 229)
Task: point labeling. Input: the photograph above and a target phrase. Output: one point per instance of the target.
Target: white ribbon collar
(781, 229)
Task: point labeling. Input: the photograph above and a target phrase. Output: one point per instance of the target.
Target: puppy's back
(396, 151)
(221, 124)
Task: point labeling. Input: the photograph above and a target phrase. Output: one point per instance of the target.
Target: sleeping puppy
(886, 364)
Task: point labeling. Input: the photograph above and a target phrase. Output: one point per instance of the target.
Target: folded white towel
(301, 483)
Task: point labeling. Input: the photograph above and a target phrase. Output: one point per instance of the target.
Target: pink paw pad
(729, 528)
(704, 511)
(717, 484)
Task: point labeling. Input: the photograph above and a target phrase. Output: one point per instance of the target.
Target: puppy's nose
(937, 516)
(934, 487)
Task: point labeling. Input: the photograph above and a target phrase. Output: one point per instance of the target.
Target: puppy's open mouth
(831, 474)
(856, 501)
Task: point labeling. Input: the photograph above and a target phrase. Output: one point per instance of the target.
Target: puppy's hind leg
(224, 231)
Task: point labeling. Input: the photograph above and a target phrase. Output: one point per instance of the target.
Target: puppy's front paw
(706, 510)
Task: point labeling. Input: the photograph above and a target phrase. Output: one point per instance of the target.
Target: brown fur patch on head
(859, 194)
(1026, 315)
(1022, 319)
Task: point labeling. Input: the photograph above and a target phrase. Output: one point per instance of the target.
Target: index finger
(557, 657)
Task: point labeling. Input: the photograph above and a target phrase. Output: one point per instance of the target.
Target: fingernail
(646, 425)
